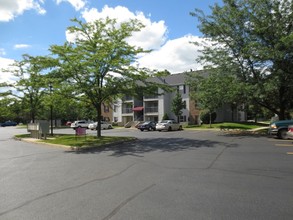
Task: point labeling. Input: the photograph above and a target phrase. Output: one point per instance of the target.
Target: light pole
(51, 109)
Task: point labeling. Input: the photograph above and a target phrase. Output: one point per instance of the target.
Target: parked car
(8, 123)
(168, 125)
(104, 125)
(290, 132)
(280, 128)
(68, 123)
(80, 124)
(147, 125)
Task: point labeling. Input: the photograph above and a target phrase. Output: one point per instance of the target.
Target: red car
(290, 132)
(68, 123)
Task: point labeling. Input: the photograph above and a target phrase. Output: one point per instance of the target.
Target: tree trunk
(99, 114)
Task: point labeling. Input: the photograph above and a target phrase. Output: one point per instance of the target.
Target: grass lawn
(80, 141)
(230, 125)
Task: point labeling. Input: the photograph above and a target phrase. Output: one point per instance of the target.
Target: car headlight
(273, 126)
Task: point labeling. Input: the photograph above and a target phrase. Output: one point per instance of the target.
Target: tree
(177, 105)
(29, 85)
(253, 40)
(10, 109)
(99, 63)
(214, 89)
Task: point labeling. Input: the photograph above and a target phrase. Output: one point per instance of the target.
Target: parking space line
(290, 153)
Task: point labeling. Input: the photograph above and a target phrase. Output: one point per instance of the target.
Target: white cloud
(9, 9)
(21, 46)
(150, 37)
(77, 4)
(176, 55)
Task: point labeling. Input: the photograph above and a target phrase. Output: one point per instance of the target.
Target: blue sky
(31, 26)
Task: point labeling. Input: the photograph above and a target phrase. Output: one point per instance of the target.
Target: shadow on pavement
(155, 144)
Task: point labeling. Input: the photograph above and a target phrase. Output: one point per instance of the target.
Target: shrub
(165, 117)
(205, 117)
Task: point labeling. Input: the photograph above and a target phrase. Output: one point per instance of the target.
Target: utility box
(38, 130)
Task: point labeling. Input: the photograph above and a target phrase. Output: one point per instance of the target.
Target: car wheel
(180, 128)
(170, 128)
(282, 134)
(109, 127)
(141, 129)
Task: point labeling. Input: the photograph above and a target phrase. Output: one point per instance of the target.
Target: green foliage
(206, 117)
(30, 86)
(86, 66)
(177, 105)
(252, 40)
(214, 89)
(165, 117)
(85, 141)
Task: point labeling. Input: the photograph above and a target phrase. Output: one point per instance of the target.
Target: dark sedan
(280, 128)
(147, 125)
(8, 123)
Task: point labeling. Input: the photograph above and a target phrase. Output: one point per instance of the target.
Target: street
(162, 175)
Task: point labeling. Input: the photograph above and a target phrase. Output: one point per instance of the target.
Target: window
(184, 103)
(106, 108)
(181, 89)
(183, 118)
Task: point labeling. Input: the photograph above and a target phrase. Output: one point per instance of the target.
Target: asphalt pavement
(162, 175)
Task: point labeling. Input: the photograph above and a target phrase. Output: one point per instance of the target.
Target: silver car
(168, 125)
(104, 125)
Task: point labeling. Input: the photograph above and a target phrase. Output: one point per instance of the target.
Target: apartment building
(154, 107)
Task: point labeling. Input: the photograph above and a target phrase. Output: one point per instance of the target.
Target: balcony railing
(151, 96)
(127, 98)
(126, 110)
(150, 109)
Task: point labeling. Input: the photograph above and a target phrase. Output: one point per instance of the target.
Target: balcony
(151, 109)
(127, 98)
(127, 110)
(151, 97)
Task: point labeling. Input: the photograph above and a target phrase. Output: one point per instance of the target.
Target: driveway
(162, 175)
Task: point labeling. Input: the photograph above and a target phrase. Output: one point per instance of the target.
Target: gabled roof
(176, 79)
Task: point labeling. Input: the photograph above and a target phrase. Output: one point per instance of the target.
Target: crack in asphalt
(216, 158)
(247, 173)
(66, 189)
(125, 202)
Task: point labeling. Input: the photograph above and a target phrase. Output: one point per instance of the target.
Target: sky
(31, 26)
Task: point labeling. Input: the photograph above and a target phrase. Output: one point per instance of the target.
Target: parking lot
(162, 175)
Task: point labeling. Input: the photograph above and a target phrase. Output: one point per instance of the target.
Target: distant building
(154, 107)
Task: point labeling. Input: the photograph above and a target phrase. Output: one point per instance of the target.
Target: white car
(168, 125)
(80, 124)
(104, 125)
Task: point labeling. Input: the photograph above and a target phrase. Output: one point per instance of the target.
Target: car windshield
(147, 122)
(165, 121)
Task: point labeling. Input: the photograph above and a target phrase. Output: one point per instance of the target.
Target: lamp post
(51, 109)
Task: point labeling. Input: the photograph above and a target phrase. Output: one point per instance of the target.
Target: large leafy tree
(253, 40)
(29, 86)
(98, 65)
(213, 90)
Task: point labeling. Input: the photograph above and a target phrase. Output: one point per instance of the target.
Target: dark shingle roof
(174, 79)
